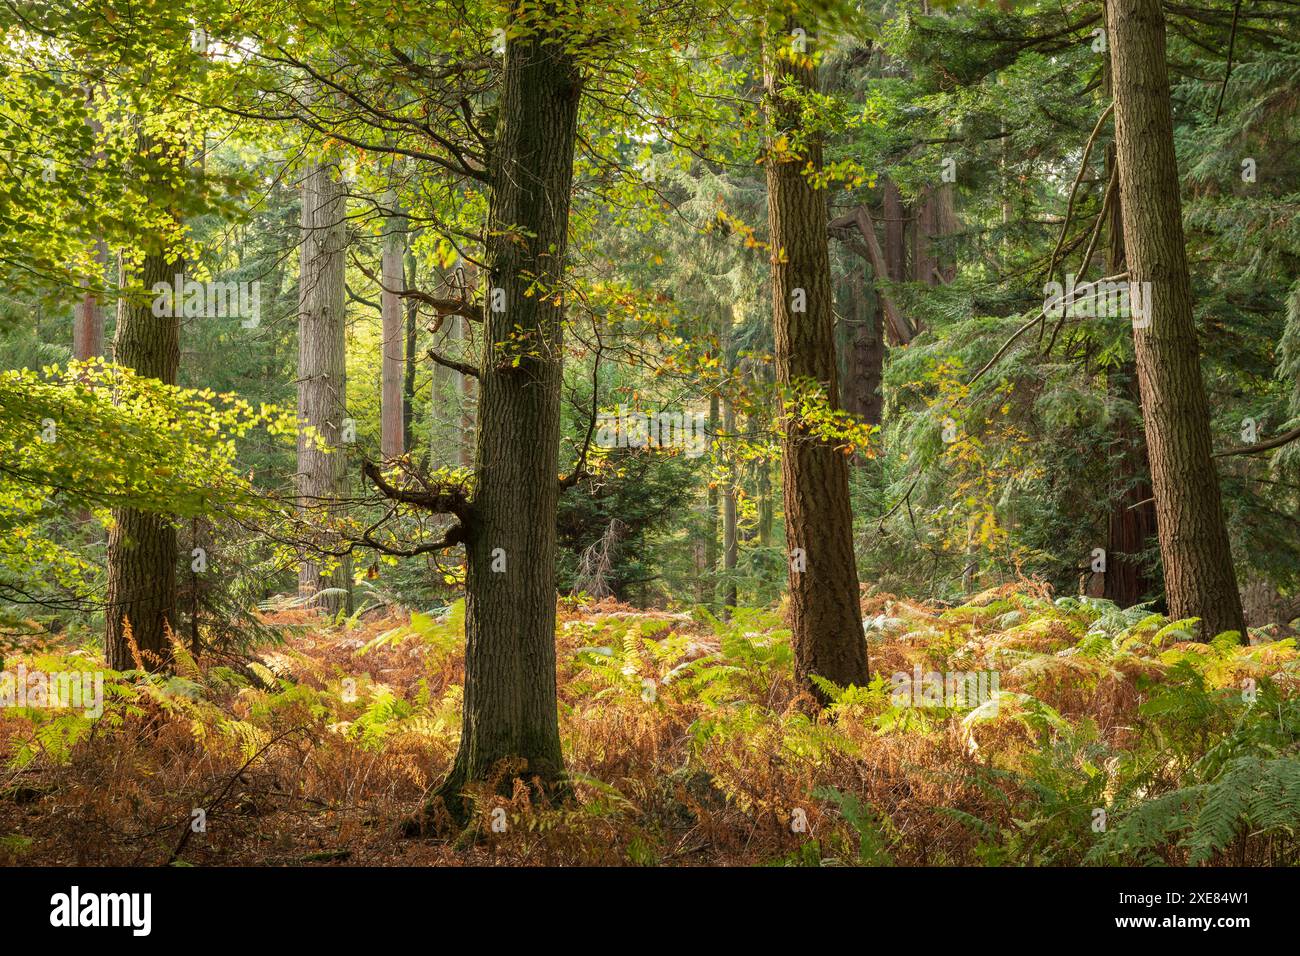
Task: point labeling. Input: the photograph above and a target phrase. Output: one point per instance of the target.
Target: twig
(225, 791)
(1042, 313)
(1284, 439)
(1232, 42)
(1069, 209)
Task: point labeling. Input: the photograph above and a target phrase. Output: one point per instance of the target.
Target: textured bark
(88, 324)
(730, 543)
(825, 615)
(866, 354)
(895, 233)
(141, 600)
(1199, 577)
(465, 393)
(946, 224)
(511, 727)
(408, 381)
(924, 263)
(322, 364)
(935, 218)
(709, 584)
(392, 426)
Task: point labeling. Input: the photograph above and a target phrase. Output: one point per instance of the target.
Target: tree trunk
(408, 381)
(1199, 577)
(895, 244)
(465, 390)
(392, 428)
(88, 325)
(141, 600)
(866, 365)
(511, 727)
(924, 263)
(709, 583)
(936, 217)
(322, 366)
(825, 615)
(730, 545)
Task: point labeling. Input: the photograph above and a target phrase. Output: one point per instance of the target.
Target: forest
(655, 433)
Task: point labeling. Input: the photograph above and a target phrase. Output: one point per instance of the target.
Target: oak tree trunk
(511, 727)
(142, 555)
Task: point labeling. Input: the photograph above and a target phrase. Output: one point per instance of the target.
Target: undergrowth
(1111, 738)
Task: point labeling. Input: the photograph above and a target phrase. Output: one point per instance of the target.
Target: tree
(1199, 577)
(141, 599)
(510, 724)
(825, 615)
(393, 340)
(322, 367)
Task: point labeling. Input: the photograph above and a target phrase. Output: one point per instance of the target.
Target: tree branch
(1277, 442)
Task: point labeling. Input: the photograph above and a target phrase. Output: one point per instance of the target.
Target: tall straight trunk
(1132, 512)
(465, 385)
(946, 224)
(895, 235)
(88, 324)
(511, 726)
(408, 377)
(322, 366)
(1199, 577)
(924, 263)
(465, 396)
(866, 353)
(142, 555)
(936, 217)
(412, 314)
(825, 616)
(445, 398)
(730, 544)
(393, 346)
(709, 584)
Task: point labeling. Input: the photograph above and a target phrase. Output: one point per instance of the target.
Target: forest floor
(688, 745)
